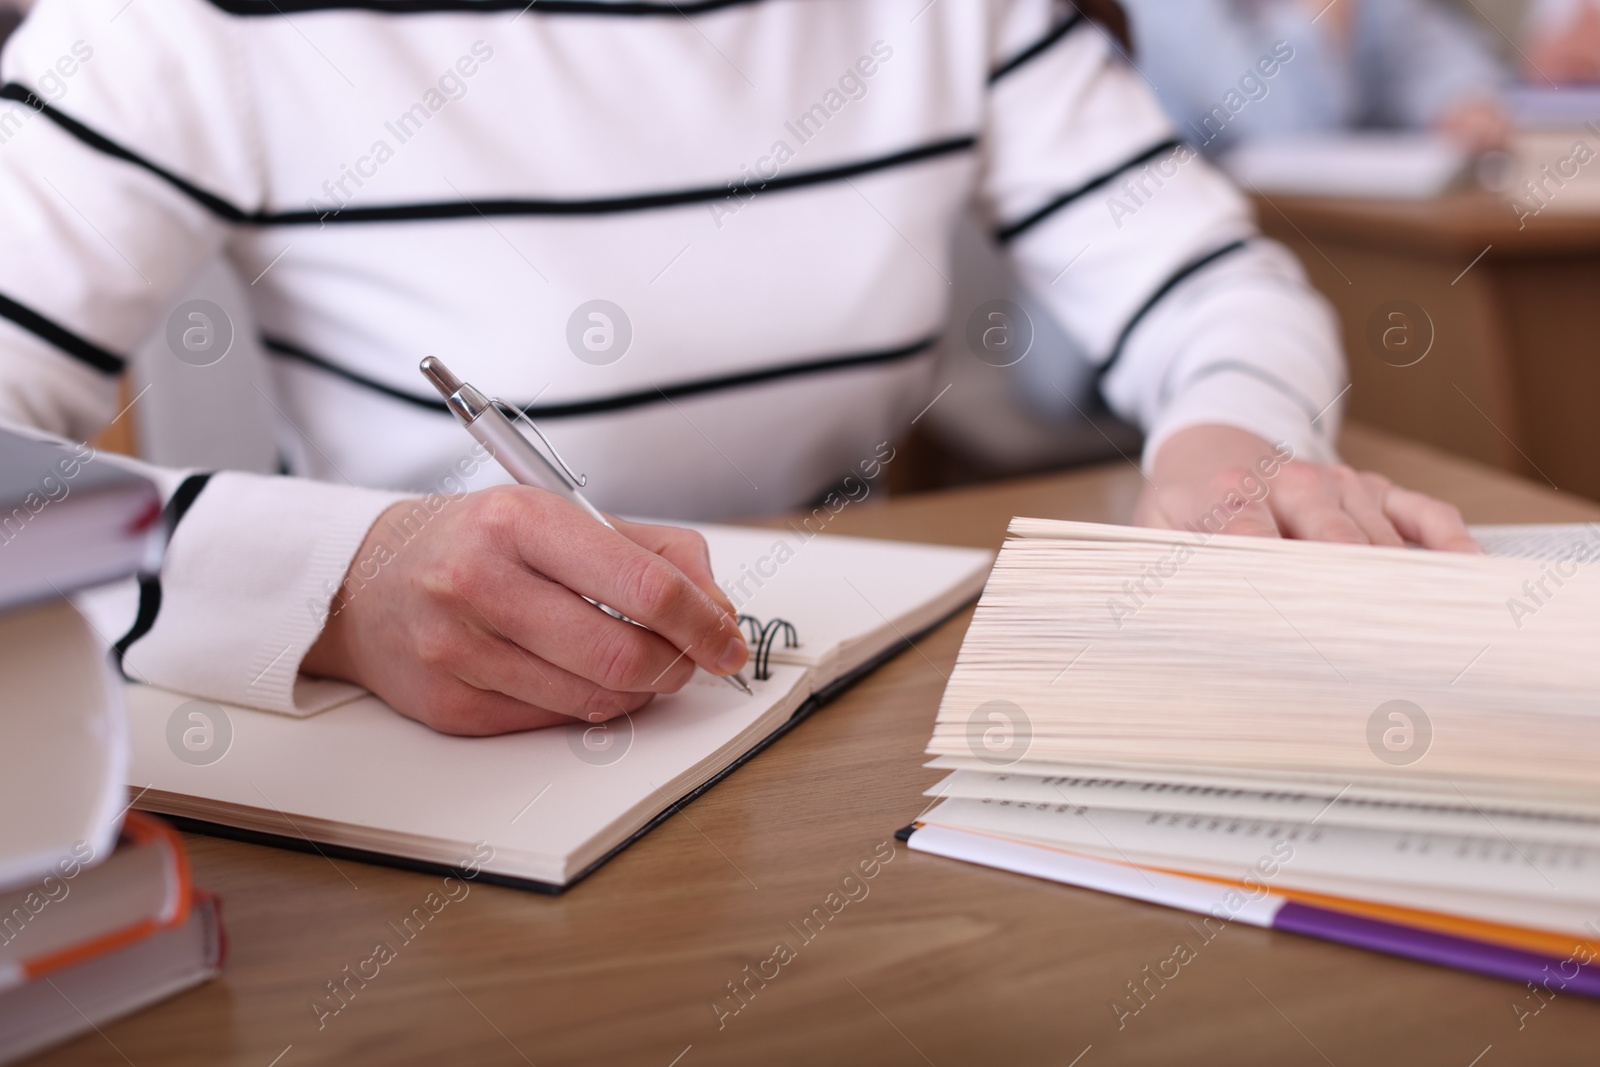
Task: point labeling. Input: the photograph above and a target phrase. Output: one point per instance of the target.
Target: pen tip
(437, 373)
(738, 681)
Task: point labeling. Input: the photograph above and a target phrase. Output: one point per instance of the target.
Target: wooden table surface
(940, 962)
(1462, 222)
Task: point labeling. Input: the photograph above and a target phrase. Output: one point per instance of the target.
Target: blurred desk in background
(1462, 330)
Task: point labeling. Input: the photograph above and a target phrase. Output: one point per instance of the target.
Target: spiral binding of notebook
(762, 637)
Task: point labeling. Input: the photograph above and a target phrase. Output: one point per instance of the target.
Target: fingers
(1362, 496)
(1244, 517)
(1312, 502)
(560, 542)
(465, 711)
(583, 646)
(497, 665)
(685, 549)
(478, 627)
(1308, 506)
(1337, 504)
(1428, 522)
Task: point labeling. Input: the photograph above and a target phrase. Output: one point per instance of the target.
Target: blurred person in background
(1349, 64)
(1562, 42)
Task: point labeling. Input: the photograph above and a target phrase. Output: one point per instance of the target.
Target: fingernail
(733, 655)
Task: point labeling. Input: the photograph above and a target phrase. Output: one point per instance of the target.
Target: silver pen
(488, 424)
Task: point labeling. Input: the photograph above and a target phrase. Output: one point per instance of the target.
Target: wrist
(332, 654)
(328, 655)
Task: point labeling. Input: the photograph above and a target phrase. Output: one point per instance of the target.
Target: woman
(704, 241)
(1393, 64)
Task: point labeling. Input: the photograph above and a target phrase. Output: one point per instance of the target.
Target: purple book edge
(1460, 952)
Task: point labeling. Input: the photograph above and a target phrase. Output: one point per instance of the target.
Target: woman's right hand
(470, 619)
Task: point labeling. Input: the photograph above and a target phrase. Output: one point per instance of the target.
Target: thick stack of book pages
(1384, 746)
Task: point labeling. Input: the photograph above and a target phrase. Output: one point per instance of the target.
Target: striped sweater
(705, 244)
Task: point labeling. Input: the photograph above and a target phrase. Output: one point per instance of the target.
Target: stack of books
(97, 914)
(1380, 746)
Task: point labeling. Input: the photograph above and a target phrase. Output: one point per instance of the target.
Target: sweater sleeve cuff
(1235, 397)
(245, 588)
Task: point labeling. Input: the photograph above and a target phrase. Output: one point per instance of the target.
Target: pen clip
(516, 415)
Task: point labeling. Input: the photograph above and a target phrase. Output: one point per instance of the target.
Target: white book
(1296, 804)
(543, 808)
(1567, 109)
(63, 741)
(1229, 847)
(1404, 166)
(1488, 879)
(1258, 897)
(1537, 799)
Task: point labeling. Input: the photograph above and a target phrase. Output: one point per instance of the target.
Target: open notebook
(544, 808)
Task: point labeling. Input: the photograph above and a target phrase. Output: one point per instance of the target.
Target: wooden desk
(1513, 377)
(941, 962)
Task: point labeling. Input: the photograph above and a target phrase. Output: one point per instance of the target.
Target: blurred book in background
(1553, 151)
(1396, 166)
(1570, 107)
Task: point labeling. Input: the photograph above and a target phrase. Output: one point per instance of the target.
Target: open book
(544, 808)
(1374, 726)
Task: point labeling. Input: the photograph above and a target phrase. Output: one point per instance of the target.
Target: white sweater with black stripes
(761, 192)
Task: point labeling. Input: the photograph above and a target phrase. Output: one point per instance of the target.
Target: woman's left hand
(1218, 479)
